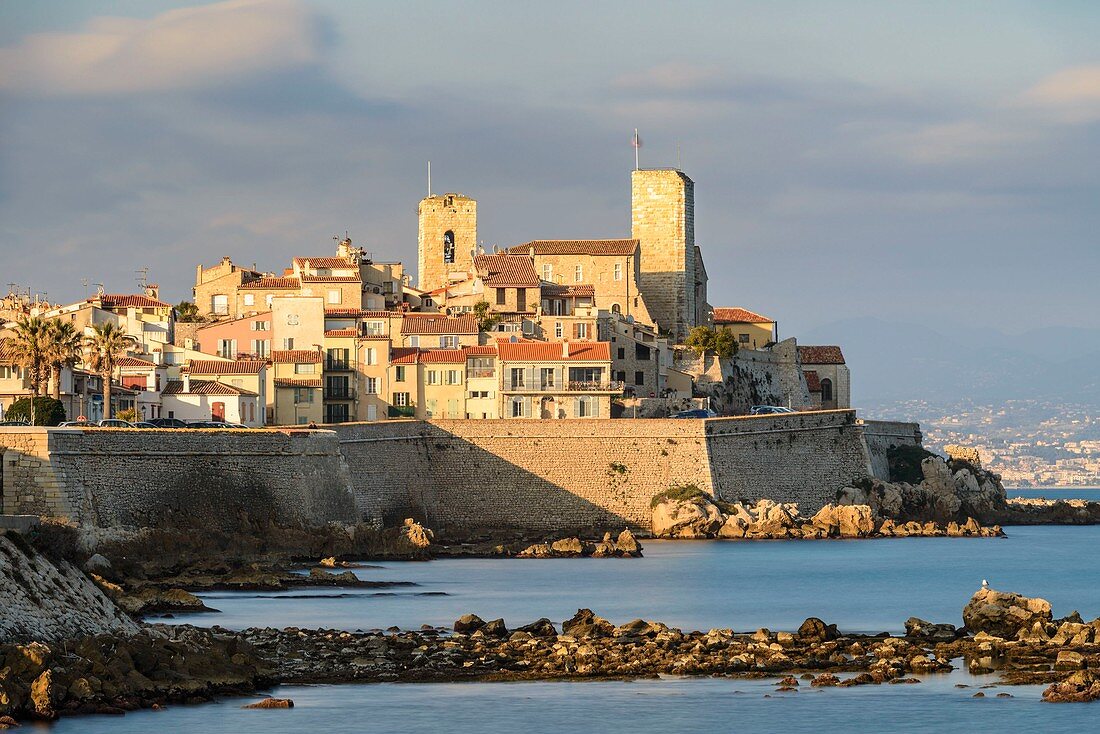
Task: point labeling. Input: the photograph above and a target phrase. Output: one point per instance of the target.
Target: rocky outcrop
(1078, 688)
(625, 546)
(45, 602)
(1004, 614)
(703, 517)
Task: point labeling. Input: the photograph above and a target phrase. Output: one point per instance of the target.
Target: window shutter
(595, 402)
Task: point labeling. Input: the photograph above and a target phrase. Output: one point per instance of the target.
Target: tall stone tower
(447, 238)
(663, 221)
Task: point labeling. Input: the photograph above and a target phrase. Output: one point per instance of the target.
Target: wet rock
(916, 627)
(271, 703)
(1080, 687)
(540, 628)
(495, 628)
(815, 630)
(585, 623)
(825, 680)
(1004, 614)
(628, 544)
(1069, 660)
(468, 623)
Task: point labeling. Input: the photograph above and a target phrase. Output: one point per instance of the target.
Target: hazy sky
(931, 160)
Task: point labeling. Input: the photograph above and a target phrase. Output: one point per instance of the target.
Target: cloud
(1072, 95)
(953, 142)
(179, 49)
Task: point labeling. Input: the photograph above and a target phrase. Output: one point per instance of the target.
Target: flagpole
(637, 145)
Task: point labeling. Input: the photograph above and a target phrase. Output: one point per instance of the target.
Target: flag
(636, 142)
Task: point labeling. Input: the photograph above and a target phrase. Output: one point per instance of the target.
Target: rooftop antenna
(678, 166)
(637, 143)
(84, 282)
(144, 273)
(429, 179)
(98, 288)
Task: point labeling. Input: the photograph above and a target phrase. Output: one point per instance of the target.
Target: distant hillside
(896, 361)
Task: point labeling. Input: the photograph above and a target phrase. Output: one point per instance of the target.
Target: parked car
(15, 423)
(208, 424)
(696, 413)
(144, 424)
(77, 424)
(769, 410)
(114, 423)
(167, 423)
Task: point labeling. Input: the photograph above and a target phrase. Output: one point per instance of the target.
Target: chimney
(152, 291)
(565, 350)
(186, 376)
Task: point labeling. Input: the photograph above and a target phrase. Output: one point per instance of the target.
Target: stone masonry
(439, 215)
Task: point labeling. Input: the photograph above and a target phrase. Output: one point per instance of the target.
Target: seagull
(985, 584)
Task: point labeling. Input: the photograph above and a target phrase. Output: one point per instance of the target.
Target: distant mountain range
(893, 361)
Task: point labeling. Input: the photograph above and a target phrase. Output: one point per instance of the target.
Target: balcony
(402, 411)
(338, 365)
(536, 386)
(480, 373)
(340, 393)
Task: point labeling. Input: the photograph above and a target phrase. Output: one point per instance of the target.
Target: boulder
(539, 628)
(1080, 687)
(271, 703)
(774, 520)
(921, 629)
(585, 623)
(815, 630)
(567, 547)
(495, 628)
(1070, 660)
(1004, 614)
(414, 535)
(468, 623)
(98, 564)
(695, 517)
(628, 544)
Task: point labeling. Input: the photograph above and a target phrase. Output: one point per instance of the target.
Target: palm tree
(27, 348)
(63, 345)
(104, 348)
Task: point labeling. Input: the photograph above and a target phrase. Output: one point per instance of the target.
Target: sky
(931, 162)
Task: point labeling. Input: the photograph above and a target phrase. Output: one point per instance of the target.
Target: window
(303, 395)
(743, 338)
(414, 341)
(249, 299)
(521, 407)
(618, 273)
(227, 348)
(639, 378)
(401, 399)
(548, 272)
(586, 375)
(546, 378)
(372, 412)
(517, 378)
(399, 373)
(454, 377)
(452, 409)
(448, 342)
(288, 343)
(5, 372)
(219, 304)
(374, 328)
(429, 407)
(616, 308)
(370, 386)
(578, 274)
(479, 367)
(370, 355)
(261, 326)
(304, 368)
(641, 352)
(475, 394)
(621, 375)
(269, 299)
(502, 296)
(433, 377)
(581, 331)
(448, 246)
(261, 348)
(826, 390)
(622, 353)
(337, 359)
(303, 419)
(521, 299)
(335, 296)
(559, 330)
(586, 407)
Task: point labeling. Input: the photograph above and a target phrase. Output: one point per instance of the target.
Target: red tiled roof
(821, 355)
(812, 380)
(204, 387)
(739, 316)
(506, 271)
(485, 350)
(323, 262)
(350, 331)
(273, 283)
(214, 367)
(297, 356)
(447, 356)
(133, 362)
(554, 351)
(438, 324)
(578, 247)
(297, 382)
(123, 301)
(403, 355)
(331, 279)
(555, 290)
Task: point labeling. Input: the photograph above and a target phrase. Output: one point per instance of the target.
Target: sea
(861, 585)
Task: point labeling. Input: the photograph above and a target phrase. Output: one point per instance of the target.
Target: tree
(47, 411)
(63, 345)
(703, 339)
(188, 312)
(104, 348)
(129, 415)
(26, 348)
(485, 319)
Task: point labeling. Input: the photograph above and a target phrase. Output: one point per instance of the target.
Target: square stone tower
(447, 239)
(663, 222)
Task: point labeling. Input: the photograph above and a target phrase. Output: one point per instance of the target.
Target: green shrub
(904, 462)
(47, 411)
(678, 492)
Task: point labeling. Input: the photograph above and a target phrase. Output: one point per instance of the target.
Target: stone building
(446, 239)
(751, 330)
(825, 366)
(555, 380)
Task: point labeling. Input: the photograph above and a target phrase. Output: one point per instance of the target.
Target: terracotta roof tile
(403, 355)
(297, 356)
(331, 279)
(578, 247)
(214, 367)
(204, 387)
(555, 290)
(821, 355)
(812, 380)
(133, 362)
(297, 382)
(273, 283)
(324, 262)
(438, 324)
(116, 300)
(506, 271)
(350, 331)
(739, 316)
(554, 351)
(446, 356)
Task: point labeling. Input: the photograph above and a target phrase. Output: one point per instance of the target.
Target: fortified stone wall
(880, 436)
(751, 377)
(181, 478)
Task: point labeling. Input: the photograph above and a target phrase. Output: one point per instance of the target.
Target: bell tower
(447, 237)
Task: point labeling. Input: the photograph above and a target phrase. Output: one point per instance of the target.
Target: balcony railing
(402, 411)
(337, 365)
(612, 386)
(339, 393)
(480, 373)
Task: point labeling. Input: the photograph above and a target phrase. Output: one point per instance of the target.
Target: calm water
(861, 585)
(1059, 493)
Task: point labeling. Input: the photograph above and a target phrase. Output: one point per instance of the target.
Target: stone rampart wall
(881, 435)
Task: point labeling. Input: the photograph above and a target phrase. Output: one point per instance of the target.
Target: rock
(495, 628)
(916, 627)
(1070, 660)
(815, 630)
(628, 544)
(320, 575)
(774, 520)
(414, 536)
(1004, 614)
(585, 623)
(271, 703)
(1080, 687)
(539, 628)
(97, 564)
(568, 547)
(44, 695)
(468, 623)
(329, 562)
(7, 722)
(697, 517)
(538, 550)
(825, 679)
